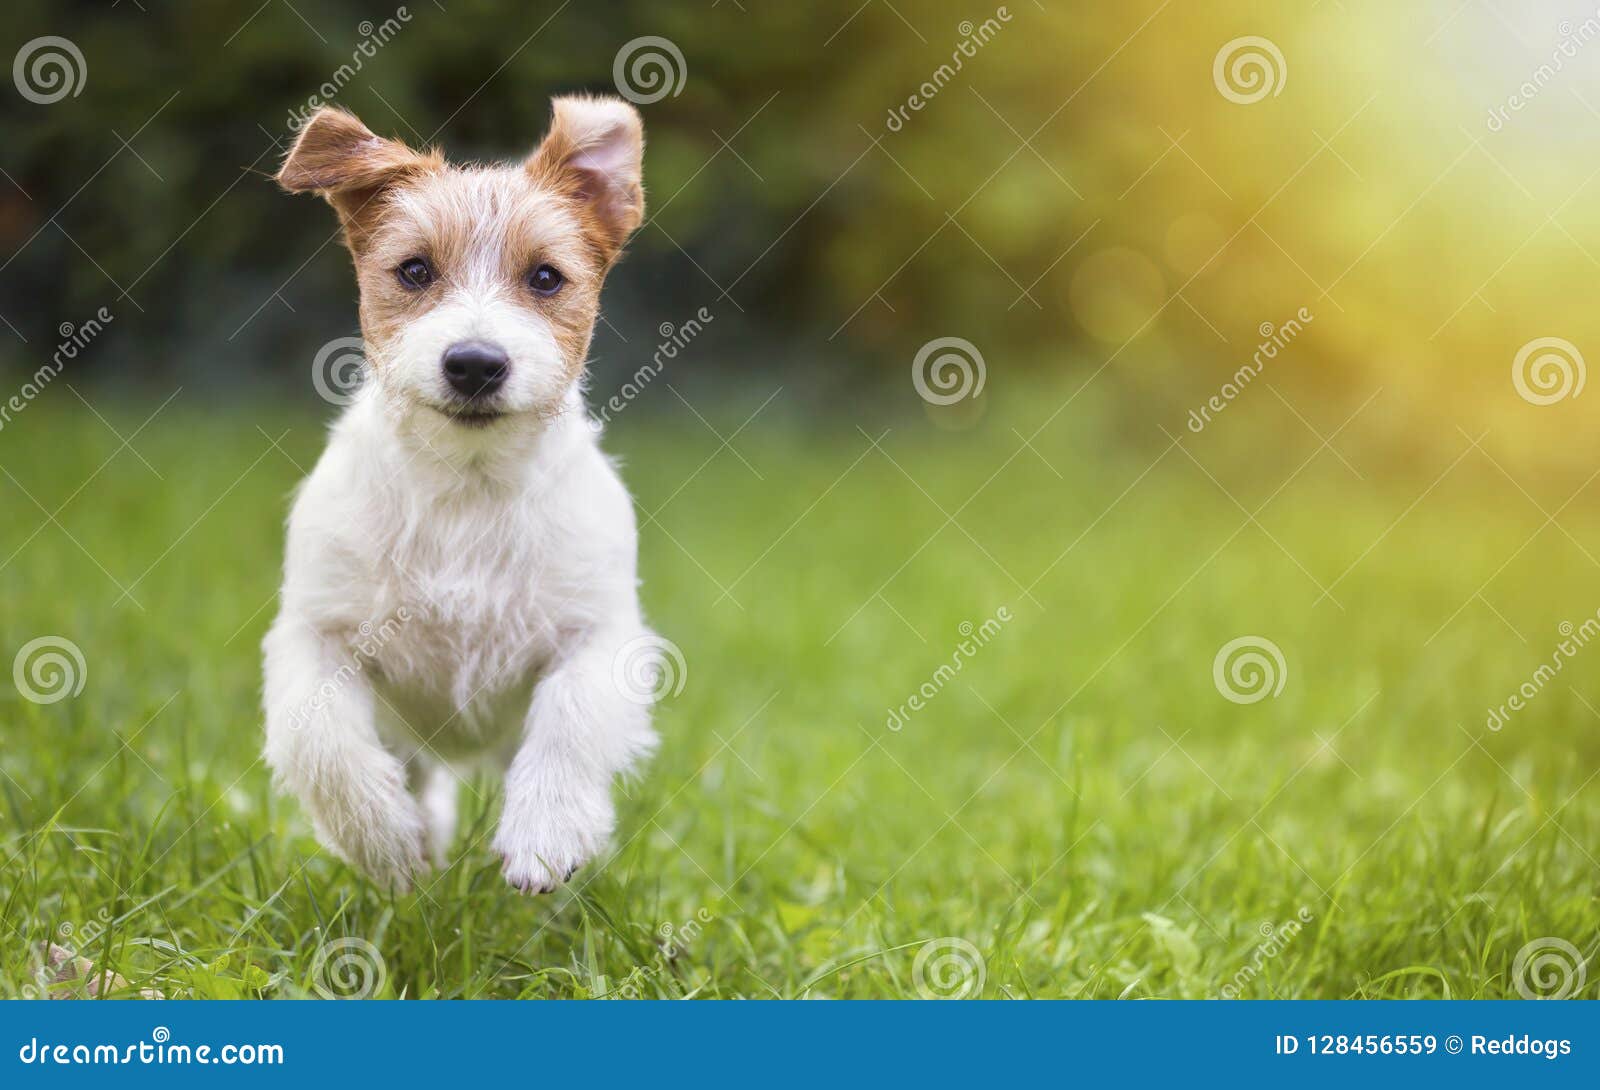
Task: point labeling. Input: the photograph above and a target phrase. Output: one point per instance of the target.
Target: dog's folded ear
(339, 157)
(594, 153)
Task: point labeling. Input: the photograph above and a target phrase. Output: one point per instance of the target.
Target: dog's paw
(396, 865)
(380, 830)
(542, 849)
(536, 877)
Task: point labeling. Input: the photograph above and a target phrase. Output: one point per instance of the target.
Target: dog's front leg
(582, 730)
(323, 745)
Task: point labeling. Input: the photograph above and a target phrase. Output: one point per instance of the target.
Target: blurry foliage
(1078, 200)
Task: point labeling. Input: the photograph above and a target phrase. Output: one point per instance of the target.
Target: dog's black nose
(476, 369)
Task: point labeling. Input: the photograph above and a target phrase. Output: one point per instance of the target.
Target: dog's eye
(415, 273)
(546, 280)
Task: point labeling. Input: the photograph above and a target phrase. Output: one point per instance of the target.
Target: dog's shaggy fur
(460, 572)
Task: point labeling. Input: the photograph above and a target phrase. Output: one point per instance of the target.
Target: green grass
(1078, 802)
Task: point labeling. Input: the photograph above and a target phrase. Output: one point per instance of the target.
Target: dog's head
(480, 285)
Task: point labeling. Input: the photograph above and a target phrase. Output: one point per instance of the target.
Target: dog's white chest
(458, 592)
(470, 621)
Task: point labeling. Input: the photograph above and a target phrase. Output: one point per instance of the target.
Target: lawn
(1072, 808)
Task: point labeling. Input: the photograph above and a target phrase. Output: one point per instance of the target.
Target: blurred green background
(1077, 193)
(1398, 199)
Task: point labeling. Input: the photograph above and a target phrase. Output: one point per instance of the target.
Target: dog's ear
(594, 153)
(340, 158)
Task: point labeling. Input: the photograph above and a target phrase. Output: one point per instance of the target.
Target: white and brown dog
(460, 571)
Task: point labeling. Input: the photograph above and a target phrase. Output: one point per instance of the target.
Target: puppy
(459, 583)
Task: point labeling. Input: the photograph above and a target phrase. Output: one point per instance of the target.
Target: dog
(460, 580)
